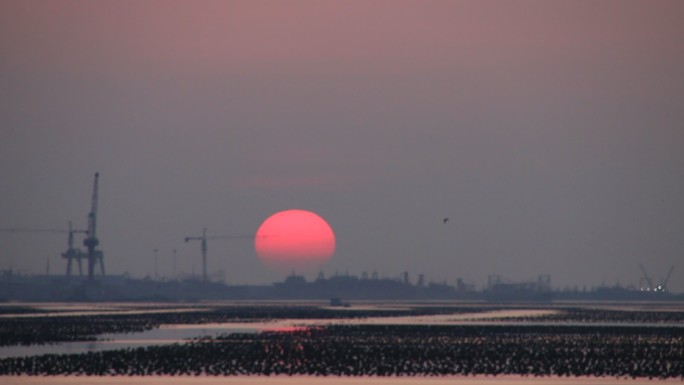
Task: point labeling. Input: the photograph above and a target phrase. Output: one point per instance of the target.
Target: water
(168, 334)
(162, 336)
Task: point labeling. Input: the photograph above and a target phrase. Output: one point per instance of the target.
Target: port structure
(203, 246)
(72, 253)
(91, 242)
(661, 287)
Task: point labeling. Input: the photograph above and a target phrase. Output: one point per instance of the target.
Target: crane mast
(91, 241)
(203, 239)
(73, 253)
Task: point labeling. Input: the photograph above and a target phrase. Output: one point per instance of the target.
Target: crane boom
(70, 254)
(203, 238)
(92, 216)
(232, 237)
(29, 230)
(667, 278)
(646, 277)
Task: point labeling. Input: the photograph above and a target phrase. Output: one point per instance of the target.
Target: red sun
(294, 240)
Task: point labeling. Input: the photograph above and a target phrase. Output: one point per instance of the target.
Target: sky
(550, 133)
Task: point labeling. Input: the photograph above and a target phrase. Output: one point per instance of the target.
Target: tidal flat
(266, 343)
(301, 380)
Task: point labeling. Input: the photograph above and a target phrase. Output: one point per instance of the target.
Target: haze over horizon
(551, 134)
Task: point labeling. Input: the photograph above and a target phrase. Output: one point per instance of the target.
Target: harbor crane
(91, 241)
(70, 254)
(646, 278)
(203, 245)
(74, 253)
(662, 287)
(93, 255)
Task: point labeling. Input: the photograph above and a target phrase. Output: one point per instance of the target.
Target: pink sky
(356, 37)
(549, 131)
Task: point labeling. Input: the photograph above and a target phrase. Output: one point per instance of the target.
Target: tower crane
(203, 242)
(91, 241)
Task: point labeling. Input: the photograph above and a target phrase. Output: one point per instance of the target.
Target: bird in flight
(445, 220)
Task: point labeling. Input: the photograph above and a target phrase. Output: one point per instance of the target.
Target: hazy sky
(550, 132)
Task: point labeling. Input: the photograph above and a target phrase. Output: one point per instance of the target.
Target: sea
(168, 334)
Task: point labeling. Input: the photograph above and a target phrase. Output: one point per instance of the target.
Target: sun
(294, 241)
